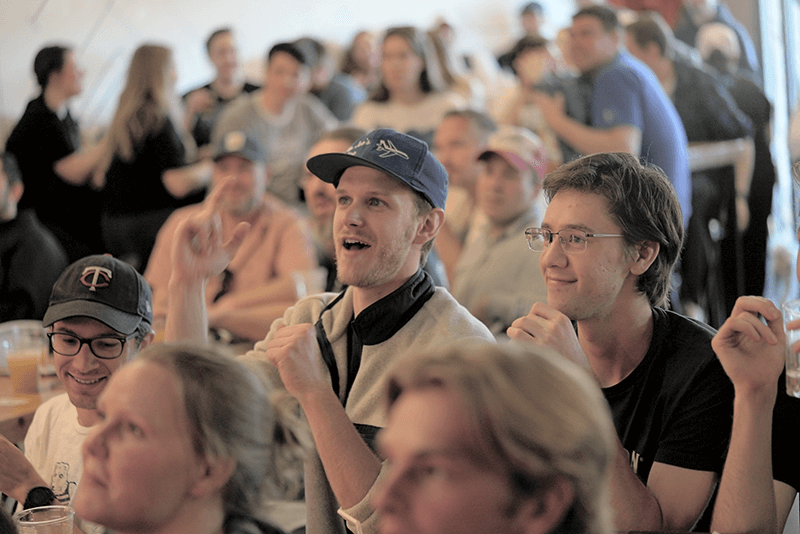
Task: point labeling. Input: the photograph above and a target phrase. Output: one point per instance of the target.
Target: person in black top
(607, 247)
(46, 143)
(146, 176)
(25, 280)
(204, 104)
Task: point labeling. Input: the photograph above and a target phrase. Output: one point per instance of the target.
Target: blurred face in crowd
(250, 182)
(69, 78)
(438, 483)
(592, 46)
(285, 76)
(9, 196)
(222, 53)
(365, 51)
(321, 196)
(503, 191)
(647, 55)
(457, 146)
(140, 464)
(401, 67)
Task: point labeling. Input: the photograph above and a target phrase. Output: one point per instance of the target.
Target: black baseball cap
(102, 288)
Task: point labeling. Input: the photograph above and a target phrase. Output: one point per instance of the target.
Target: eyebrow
(581, 227)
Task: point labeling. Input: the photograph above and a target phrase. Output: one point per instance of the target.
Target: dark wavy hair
(642, 202)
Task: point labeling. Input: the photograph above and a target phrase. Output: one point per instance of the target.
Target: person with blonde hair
(491, 438)
(411, 96)
(146, 176)
(191, 441)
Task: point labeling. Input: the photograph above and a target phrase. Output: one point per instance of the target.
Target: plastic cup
(45, 520)
(23, 368)
(791, 312)
(24, 336)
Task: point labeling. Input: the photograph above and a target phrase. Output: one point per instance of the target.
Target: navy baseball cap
(399, 155)
(102, 288)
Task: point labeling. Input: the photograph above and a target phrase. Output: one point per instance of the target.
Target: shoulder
(52, 411)
(683, 345)
(624, 70)
(444, 311)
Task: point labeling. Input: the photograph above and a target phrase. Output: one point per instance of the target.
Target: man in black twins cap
(331, 351)
(99, 317)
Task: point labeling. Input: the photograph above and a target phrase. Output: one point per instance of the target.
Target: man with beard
(331, 352)
(258, 284)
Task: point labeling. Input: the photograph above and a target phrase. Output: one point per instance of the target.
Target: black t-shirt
(31, 260)
(71, 212)
(785, 463)
(204, 122)
(136, 186)
(676, 406)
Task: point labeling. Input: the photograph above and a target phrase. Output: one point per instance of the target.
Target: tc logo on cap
(94, 277)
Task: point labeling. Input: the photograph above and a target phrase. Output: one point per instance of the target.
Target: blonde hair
(535, 415)
(233, 413)
(144, 104)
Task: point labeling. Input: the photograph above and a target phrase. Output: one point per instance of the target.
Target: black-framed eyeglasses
(104, 347)
(572, 241)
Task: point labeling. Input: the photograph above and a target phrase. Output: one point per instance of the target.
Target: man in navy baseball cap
(332, 351)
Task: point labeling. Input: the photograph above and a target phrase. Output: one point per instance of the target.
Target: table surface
(14, 420)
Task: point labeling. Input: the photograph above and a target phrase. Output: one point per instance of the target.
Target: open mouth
(352, 244)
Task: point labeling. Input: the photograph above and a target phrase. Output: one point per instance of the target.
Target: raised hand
(198, 251)
(751, 352)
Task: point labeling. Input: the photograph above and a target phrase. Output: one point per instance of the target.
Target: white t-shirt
(53, 445)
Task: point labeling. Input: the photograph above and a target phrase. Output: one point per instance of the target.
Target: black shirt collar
(382, 319)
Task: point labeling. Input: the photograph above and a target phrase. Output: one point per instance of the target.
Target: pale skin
(367, 203)
(614, 333)
(752, 354)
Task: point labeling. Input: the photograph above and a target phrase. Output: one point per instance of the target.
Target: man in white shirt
(99, 317)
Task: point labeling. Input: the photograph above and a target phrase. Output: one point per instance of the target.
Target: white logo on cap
(94, 277)
(234, 141)
(356, 146)
(388, 150)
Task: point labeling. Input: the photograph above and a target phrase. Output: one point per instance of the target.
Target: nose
(352, 215)
(94, 445)
(85, 360)
(553, 255)
(389, 497)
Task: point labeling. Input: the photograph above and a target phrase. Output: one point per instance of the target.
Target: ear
(147, 340)
(429, 226)
(542, 513)
(212, 475)
(647, 251)
(16, 191)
